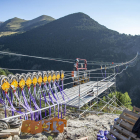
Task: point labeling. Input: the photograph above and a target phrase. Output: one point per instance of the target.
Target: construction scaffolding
(29, 95)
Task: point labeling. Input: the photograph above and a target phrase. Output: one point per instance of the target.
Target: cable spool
(45, 77)
(9, 76)
(17, 75)
(14, 82)
(57, 75)
(34, 78)
(24, 74)
(53, 76)
(29, 73)
(49, 76)
(2, 78)
(5, 83)
(22, 81)
(28, 79)
(62, 74)
(39, 78)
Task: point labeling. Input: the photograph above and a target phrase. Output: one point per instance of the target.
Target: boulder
(15, 137)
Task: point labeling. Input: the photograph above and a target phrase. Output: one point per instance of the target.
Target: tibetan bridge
(40, 94)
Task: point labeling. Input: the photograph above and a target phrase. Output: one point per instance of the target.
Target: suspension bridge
(27, 95)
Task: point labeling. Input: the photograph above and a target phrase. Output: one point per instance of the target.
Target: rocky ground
(87, 126)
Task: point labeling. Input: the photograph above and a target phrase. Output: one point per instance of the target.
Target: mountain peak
(77, 16)
(80, 14)
(16, 19)
(44, 17)
(81, 20)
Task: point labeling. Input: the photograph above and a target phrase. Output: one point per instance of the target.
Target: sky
(119, 15)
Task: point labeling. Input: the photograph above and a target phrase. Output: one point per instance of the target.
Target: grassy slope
(12, 24)
(17, 24)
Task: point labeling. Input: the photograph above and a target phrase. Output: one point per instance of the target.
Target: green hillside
(13, 24)
(21, 25)
(72, 36)
(36, 22)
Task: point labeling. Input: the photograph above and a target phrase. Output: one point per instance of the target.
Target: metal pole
(107, 99)
(106, 104)
(79, 92)
(89, 75)
(115, 91)
(97, 94)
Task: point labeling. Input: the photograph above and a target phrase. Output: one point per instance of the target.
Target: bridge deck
(90, 96)
(88, 92)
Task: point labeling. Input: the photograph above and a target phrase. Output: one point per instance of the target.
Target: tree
(104, 98)
(121, 99)
(126, 100)
(118, 96)
(4, 72)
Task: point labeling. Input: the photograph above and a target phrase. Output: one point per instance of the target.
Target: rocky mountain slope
(76, 129)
